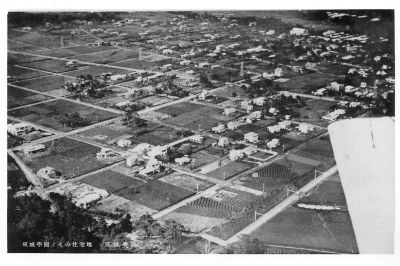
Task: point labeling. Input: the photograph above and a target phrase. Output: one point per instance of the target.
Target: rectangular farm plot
(229, 170)
(62, 115)
(193, 116)
(313, 111)
(307, 82)
(19, 73)
(115, 203)
(155, 194)
(187, 182)
(319, 150)
(111, 181)
(50, 65)
(96, 71)
(73, 51)
(46, 84)
(107, 57)
(136, 64)
(195, 223)
(68, 156)
(18, 97)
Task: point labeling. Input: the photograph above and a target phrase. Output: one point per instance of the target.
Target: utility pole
(315, 173)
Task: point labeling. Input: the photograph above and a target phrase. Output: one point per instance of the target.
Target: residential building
(19, 129)
(105, 153)
(48, 173)
(124, 142)
(251, 137)
(34, 149)
(299, 32)
(273, 143)
(219, 129)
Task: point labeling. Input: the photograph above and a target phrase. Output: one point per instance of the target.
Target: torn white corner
(364, 151)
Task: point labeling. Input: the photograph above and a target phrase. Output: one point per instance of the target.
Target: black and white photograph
(195, 131)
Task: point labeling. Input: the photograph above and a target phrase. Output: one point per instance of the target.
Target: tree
(126, 224)
(234, 94)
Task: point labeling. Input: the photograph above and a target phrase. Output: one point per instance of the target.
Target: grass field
(155, 194)
(111, 181)
(18, 97)
(186, 181)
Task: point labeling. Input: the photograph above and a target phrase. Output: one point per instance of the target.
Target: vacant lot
(186, 181)
(155, 194)
(229, 170)
(62, 115)
(111, 181)
(18, 97)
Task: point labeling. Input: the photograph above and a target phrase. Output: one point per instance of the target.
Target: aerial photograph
(201, 132)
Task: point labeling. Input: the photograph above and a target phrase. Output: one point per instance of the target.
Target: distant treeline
(39, 18)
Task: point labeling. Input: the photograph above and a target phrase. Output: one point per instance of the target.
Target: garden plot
(234, 198)
(180, 108)
(107, 57)
(229, 170)
(46, 84)
(68, 156)
(18, 73)
(115, 203)
(111, 181)
(155, 194)
(187, 182)
(107, 133)
(207, 207)
(18, 97)
(50, 65)
(62, 115)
